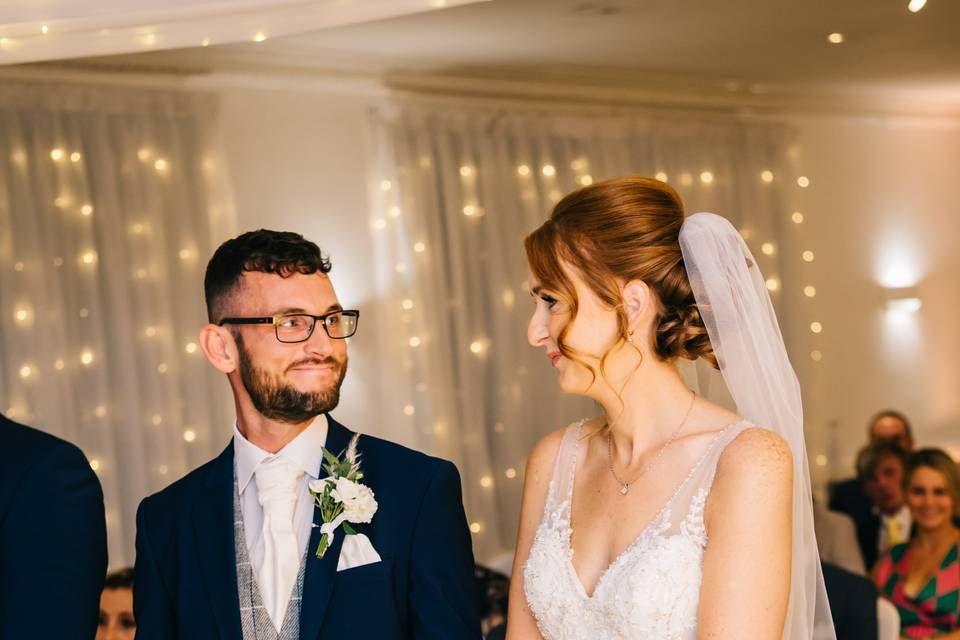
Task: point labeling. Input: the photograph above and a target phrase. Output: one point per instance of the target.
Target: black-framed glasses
(298, 327)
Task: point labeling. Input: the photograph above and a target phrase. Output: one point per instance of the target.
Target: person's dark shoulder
(180, 495)
(23, 447)
(378, 453)
(844, 493)
(843, 585)
(392, 468)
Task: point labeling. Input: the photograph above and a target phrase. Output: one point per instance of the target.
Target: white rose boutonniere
(341, 497)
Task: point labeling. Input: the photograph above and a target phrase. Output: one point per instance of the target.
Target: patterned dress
(936, 608)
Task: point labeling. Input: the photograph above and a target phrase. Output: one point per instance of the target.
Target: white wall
(882, 205)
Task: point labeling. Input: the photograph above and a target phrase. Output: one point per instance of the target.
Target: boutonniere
(341, 498)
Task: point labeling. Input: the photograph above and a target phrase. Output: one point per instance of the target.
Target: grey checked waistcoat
(254, 618)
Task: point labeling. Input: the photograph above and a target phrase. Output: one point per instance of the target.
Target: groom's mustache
(333, 362)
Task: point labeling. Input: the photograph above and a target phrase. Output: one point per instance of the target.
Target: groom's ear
(220, 348)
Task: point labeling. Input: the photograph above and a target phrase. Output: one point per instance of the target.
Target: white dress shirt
(306, 453)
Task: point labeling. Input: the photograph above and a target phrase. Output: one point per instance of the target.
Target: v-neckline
(917, 597)
(643, 531)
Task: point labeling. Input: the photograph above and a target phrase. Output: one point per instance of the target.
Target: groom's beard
(280, 401)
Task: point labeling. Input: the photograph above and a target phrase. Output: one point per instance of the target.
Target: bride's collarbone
(607, 522)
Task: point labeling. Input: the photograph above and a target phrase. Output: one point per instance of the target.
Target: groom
(231, 550)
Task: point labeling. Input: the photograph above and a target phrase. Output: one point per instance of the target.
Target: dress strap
(708, 469)
(561, 483)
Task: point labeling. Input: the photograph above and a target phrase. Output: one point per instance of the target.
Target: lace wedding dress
(652, 589)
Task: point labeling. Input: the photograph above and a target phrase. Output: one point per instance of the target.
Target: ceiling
(747, 48)
(37, 30)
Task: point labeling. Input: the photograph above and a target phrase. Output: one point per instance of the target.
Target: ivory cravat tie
(277, 493)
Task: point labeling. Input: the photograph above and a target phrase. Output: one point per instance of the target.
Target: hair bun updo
(622, 230)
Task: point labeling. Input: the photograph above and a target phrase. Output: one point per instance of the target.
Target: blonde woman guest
(922, 576)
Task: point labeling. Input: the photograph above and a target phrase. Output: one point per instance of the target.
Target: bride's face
(591, 334)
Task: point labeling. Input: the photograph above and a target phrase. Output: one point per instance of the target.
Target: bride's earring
(634, 345)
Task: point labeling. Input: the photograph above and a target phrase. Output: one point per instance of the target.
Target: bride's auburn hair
(613, 232)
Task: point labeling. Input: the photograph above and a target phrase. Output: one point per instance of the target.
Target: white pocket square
(356, 552)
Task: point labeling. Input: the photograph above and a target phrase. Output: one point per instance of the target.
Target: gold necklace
(624, 485)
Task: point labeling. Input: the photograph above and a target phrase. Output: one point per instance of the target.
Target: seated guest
(886, 521)
(922, 577)
(891, 426)
(493, 590)
(849, 496)
(116, 607)
(853, 603)
(53, 537)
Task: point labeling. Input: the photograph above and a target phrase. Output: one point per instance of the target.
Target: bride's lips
(554, 357)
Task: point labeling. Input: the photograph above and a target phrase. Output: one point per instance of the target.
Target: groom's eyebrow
(289, 310)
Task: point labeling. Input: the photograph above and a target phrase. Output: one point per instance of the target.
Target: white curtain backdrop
(456, 188)
(110, 202)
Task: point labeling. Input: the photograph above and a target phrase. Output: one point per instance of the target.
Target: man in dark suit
(233, 550)
(53, 537)
(853, 603)
(851, 496)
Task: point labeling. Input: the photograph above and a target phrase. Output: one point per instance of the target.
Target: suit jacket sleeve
(54, 550)
(442, 594)
(151, 603)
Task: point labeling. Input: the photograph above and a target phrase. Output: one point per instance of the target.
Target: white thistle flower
(353, 456)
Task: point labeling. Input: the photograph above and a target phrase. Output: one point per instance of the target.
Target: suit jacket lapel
(319, 574)
(214, 522)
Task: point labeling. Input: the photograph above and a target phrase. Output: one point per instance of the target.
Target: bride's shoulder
(544, 453)
(755, 454)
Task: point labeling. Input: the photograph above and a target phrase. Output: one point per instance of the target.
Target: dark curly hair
(281, 252)
(121, 579)
(621, 230)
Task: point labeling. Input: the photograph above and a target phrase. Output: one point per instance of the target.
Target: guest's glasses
(298, 327)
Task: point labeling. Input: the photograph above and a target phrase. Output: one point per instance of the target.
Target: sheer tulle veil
(732, 297)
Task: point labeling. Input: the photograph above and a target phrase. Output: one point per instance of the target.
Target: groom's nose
(319, 344)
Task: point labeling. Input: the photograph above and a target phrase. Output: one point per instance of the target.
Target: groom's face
(289, 382)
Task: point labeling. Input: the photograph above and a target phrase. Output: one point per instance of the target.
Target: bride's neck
(649, 408)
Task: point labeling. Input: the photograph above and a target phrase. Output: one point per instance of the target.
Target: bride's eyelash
(550, 301)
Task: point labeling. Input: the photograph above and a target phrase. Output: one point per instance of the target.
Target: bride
(667, 516)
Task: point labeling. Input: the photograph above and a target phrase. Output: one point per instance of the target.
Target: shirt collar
(305, 452)
(901, 515)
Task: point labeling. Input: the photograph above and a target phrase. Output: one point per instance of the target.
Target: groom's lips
(314, 366)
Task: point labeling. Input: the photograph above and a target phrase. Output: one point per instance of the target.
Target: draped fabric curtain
(110, 202)
(456, 188)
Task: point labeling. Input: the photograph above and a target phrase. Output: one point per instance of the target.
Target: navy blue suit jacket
(186, 581)
(53, 537)
(849, 497)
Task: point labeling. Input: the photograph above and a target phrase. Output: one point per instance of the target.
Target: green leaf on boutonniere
(347, 529)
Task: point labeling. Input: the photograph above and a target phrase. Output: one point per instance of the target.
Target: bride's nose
(537, 330)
